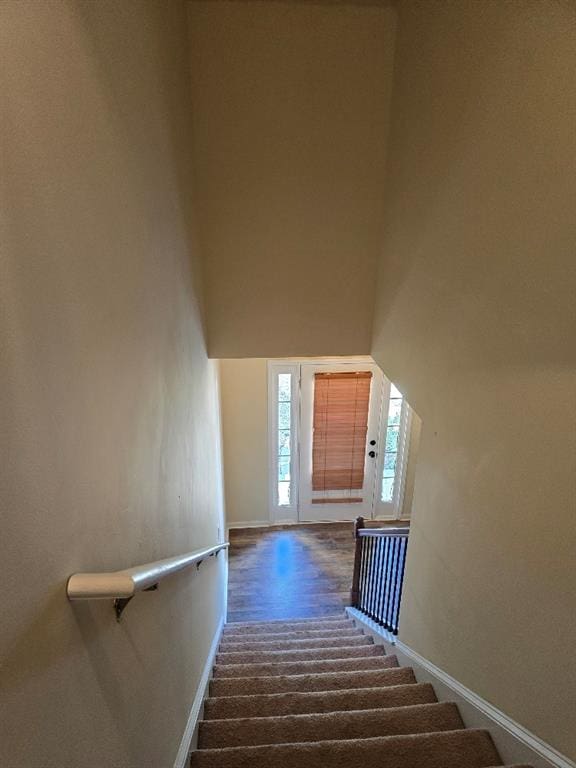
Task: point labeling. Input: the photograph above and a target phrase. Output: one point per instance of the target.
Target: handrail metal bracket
(119, 604)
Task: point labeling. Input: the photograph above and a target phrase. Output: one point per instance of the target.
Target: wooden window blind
(340, 427)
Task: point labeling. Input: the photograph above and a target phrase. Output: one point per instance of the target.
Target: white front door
(340, 411)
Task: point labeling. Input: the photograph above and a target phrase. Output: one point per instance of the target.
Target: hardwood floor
(285, 572)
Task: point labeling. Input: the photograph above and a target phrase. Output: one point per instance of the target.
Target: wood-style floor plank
(285, 572)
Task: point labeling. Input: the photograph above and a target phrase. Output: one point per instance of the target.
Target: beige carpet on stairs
(317, 693)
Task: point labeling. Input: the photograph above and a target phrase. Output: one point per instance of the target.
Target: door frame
(392, 510)
(293, 513)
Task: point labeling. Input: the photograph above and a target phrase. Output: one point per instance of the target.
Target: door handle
(372, 454)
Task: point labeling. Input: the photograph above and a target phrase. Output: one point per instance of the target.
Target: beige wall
(476, 321)
(244, 398)
(411, 464)
(108, 406)
(291, 104)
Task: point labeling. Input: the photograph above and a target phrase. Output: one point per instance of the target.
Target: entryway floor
(286, 572)
(301, 571)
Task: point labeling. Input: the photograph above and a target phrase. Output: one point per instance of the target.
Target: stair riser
(280, 612)
(315, 654)
(240, 588)
(227, 707)
(299, 667)
(326, 622)
(311, 634)
(296, 645)
(371, 723)
(270, 601)
(389, 673)
(448, 749)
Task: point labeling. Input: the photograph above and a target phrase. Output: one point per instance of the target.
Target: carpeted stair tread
(302, 644)
(300, 667)
(446, 749)
(303, 634)
(308, 702)
(351, 724)
(389, 673)
(338, 616)
(288, 625)
(312, 654)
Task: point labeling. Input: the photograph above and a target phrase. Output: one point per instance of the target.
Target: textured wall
(291, 104)
(108, 406)
(476, 321)
(244, 397)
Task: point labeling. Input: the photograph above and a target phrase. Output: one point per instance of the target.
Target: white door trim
(307, 512)
(283, 514)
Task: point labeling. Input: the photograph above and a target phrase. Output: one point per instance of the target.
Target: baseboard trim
(286, 523)
(189, 738)
(514, 742)
(249, 524)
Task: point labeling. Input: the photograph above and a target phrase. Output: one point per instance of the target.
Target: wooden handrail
(121, 586)
(382, 532)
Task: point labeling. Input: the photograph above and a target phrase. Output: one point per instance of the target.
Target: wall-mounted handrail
(121, 586)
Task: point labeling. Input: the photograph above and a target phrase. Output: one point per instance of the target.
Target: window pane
(284, 415)
(395, 411)
(390, 464)
(283, 494)
(284, 468)
(387, 489)
(284, 442)
(392, 439)
(395, 392)
(284, 386)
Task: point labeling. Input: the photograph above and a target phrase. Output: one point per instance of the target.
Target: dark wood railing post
(355, 591)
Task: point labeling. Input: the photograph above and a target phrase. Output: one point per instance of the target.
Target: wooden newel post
(355, 591)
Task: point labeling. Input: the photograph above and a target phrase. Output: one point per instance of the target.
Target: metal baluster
(386, 600)
(373, 576)
(370, 576)
(385, 579)
(393, 578)
(364, 572)
(376, 577)
(401, 583)
(381, 581)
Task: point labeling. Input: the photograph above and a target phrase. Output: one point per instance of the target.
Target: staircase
(317, 693)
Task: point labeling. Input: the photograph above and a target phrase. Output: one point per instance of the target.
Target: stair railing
(378, 576)
(121, 586)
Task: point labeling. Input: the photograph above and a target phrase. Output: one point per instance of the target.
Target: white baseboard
(514, 742)
(249, 524)
(283, 522)
(190, 736)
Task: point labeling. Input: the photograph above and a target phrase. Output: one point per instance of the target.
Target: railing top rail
(366, 532)
(124, 584)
